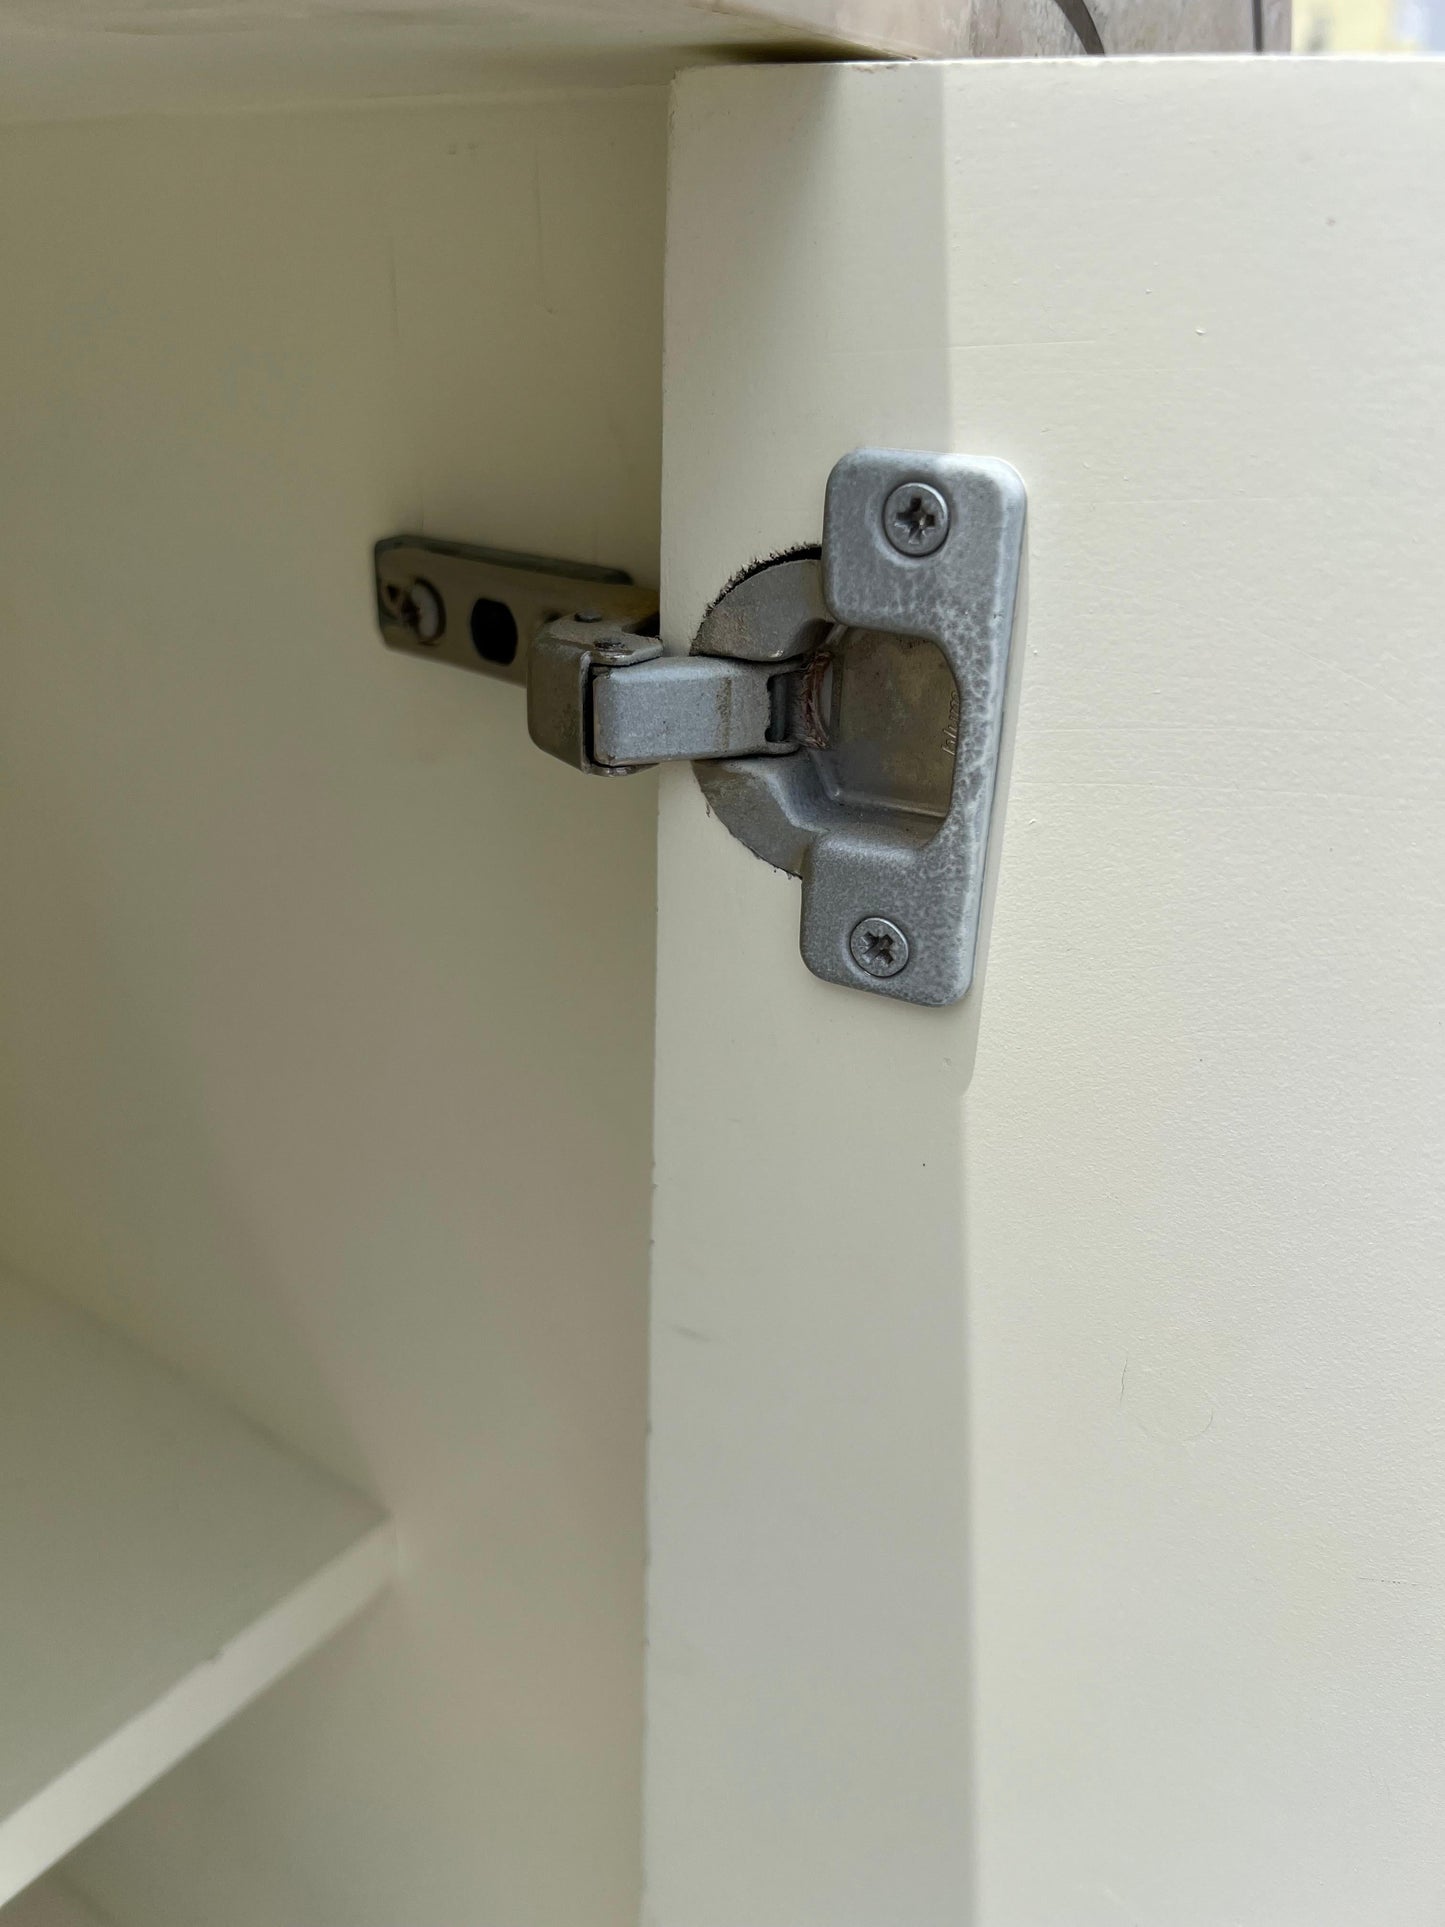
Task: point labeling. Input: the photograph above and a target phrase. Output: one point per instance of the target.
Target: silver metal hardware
(689, 710)
(879, 947)
(609, 703)
(482, 609)
(416, 607)
(915, 519)
(843, 709)
(885, 812)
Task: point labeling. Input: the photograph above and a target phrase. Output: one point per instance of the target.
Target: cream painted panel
(325, 1036)
(808, 1594)
(1205, 1230)
(1046, 1464)
(51, 1903)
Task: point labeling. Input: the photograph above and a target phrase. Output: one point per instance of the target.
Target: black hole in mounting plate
(494, 631)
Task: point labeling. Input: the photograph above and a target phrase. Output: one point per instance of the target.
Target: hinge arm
(607, 701)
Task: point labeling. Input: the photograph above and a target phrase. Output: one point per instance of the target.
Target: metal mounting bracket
(906, 622)
(483, 609)
(843, 709)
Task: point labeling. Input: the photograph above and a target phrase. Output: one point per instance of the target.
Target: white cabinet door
(1048, 1392)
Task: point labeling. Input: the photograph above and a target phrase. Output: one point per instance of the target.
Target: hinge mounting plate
(905, 621)
(482, 609)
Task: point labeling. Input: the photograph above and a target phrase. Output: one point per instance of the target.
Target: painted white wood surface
(162, 1563)
(1046, 1461)
(275, 1095)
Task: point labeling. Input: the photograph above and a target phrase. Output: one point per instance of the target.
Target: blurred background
(1369, 26)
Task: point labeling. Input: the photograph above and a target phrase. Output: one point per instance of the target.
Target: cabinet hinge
(843, 707)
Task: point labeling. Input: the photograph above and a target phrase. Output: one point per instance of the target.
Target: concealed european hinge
(843, 708)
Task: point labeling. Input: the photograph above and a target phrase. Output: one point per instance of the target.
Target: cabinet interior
(326, 1025)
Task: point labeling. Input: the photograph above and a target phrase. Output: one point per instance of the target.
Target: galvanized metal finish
(559, 687)
(689, 709)
(609, 702)
(482, 609)
(885, 812)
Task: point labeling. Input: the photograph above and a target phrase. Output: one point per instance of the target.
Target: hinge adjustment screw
(417, 607)
(915, 519)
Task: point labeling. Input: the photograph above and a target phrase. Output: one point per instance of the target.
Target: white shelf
(161, 1563)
